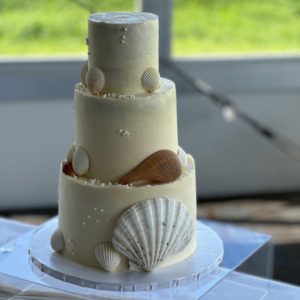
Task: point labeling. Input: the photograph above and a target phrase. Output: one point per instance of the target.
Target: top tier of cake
(124, 111)
(123, 46)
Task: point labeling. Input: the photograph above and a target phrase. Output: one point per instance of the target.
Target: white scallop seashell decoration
(182, 157)
(70, 153)
(83, 72)
(95, 80)
(107, 256)
(153, 230)
(57, 241)
(151, 80)
(80, 161)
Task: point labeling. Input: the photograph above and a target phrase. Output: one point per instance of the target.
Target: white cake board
(206, 258)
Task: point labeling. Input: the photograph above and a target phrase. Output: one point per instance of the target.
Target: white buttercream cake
(127, 193)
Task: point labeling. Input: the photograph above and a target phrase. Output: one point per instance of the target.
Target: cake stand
(16, 266)
(206, 258)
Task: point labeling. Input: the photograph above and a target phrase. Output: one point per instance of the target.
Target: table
(236, 285)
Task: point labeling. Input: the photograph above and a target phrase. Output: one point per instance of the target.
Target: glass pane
(235, 26)
(49, 27)
(199, 26)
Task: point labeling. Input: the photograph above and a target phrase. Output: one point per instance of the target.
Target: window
(199, 26)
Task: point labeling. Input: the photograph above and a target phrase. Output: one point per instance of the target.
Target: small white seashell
(70, 153)
(80, 161)
(107, 256)
(151, 80)
(153, 230)
(95, 80)
(57, 241)
(83, 72)
(182, 157)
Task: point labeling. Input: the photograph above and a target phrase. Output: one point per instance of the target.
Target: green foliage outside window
(199, 26)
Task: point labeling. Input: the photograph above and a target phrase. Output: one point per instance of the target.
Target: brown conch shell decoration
(67, 168)
(162, 166)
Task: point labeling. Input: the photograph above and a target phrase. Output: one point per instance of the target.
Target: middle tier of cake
(119, 131)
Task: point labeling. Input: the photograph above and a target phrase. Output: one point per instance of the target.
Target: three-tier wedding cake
(127, 194)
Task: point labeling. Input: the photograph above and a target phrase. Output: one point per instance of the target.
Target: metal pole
(162, 8)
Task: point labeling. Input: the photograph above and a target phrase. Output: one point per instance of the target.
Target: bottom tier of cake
(90, 211)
